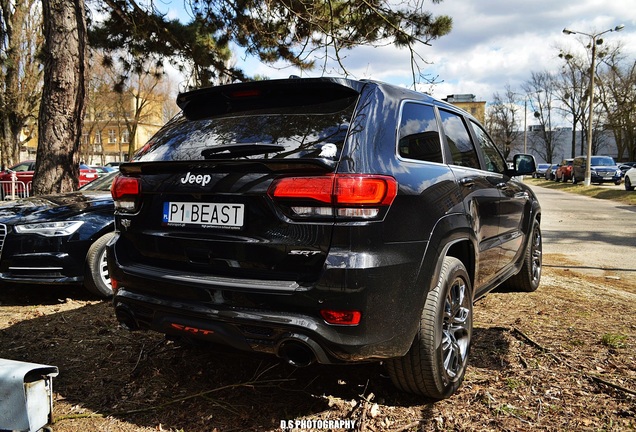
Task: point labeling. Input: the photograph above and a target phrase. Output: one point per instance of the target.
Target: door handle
(467, 181)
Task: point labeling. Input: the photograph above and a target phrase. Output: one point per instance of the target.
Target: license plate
(218, 215)
(607, 178)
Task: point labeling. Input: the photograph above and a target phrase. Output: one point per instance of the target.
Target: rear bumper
(248, 330)
(278, 317)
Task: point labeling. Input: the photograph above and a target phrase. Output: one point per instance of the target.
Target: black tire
(628, 184)
(435, 364)
(96, 279)
(529, 277)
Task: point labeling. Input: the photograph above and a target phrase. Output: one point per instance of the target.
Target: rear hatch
(206, 195)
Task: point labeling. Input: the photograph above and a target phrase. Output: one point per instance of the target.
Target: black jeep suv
(324, 220)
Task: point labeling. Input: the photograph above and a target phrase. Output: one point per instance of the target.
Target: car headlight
(49, 229)
(618, 173)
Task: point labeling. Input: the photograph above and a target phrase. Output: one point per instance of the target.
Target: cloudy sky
(493, 43)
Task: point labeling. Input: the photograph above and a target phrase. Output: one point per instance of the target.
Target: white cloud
(502, 41)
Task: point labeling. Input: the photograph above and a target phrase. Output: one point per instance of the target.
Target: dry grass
(559, 359)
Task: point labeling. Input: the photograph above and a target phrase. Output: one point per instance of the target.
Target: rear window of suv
(265, 128)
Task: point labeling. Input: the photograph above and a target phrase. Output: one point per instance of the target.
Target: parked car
(550, 171)
(602, 169)
(626, 166)
(114, 165)
(540, 172)
(59, 239)
(103, 170)
(630, 179)
(326, 220)
(23, 174)
(564, 170)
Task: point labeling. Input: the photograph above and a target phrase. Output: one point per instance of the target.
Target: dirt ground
(560, 359)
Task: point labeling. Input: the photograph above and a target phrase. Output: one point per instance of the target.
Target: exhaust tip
(126, 318)
(296, 353)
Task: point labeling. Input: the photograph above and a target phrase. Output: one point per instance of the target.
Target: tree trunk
(19, 75)
(62, 107)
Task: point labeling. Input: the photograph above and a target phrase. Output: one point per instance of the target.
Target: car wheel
(628, 184)
(528, 278)
(617, 183)
(435, 364)
(96, 278)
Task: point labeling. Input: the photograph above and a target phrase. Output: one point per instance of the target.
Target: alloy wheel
(456, 329)
(536, 252)
(103, 269)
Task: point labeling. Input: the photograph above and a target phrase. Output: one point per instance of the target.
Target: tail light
(343, 196)
(125, 191)
(115, 285)
(347, 317)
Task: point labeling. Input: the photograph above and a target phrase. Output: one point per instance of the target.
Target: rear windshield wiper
(240, 149)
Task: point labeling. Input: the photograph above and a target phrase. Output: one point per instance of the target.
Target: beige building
(468, 103)
(106, 133)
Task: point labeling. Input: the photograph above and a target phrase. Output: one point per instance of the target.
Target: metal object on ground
(26, 395)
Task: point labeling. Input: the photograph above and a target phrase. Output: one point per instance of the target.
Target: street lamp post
(525, 125)
(594, 42)
(525, 120)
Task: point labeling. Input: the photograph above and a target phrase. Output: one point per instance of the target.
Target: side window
(23, 167)
(419, 135)
(494, 161)
(461, 146)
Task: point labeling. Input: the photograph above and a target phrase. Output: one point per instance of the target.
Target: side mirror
(523, 164)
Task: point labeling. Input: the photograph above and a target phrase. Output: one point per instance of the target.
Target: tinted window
(458, 139)
(313, 131)
(419, 135)
(494, 161)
